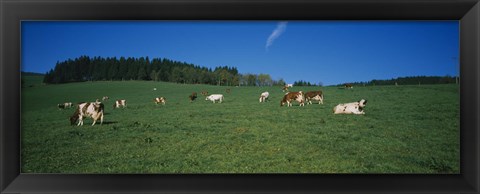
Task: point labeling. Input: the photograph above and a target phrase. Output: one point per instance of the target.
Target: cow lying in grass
(162, 100)
(350, 108)
(314, 95)
(92, 110)
(215, 97)
(264, 96)
(291, 96)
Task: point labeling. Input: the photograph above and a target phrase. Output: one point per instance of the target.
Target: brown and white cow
(285, 89)
(204, 93)
(120, 103)
(193, 96)
(92, 110)
(293, 96)
(350, 108)
(65, 105)
(162, 100)
(314, 95)
(105, 98)
(348, 86)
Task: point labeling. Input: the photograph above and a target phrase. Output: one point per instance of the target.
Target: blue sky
(330, 52)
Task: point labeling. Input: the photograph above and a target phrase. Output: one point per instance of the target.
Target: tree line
(411, 80)
(306, 83)
(85, 68)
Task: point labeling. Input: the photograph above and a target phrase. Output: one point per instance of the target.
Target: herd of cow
(95, 110)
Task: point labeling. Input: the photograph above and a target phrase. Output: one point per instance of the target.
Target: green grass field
(406, 129)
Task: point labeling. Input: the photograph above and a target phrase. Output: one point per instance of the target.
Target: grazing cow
(314, 95)
(264, 96)
(93, 110)
(350, 108)
(290, 96)
(193, 96)
(162, 100)
(215, 97)
(227, 90)
(204, 93)
(120, 103)
(284, 89)
(348, 86)
(105, 98)
(65, 105)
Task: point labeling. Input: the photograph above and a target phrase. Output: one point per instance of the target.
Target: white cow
(350, 108)
(263, 96)
(215, 97)
(93, 110)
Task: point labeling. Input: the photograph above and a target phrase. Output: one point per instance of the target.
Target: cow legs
(80, 120)
(359, 112)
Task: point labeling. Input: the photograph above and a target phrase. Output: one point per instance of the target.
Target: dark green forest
(86, 68)
(411, 80)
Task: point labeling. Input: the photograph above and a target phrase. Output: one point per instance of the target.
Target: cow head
(98, 106)
(362, 103)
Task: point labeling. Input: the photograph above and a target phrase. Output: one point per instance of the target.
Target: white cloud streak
(275, 34)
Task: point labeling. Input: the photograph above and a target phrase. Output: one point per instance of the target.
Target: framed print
(240, 96)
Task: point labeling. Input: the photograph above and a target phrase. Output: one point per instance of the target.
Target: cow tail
(74, 117)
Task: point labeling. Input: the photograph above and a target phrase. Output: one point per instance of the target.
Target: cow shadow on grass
(109, 122)
(98, 123)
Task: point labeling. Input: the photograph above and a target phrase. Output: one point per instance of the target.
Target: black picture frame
(12, 12)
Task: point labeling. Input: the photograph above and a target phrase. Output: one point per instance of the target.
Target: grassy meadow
(406, 129)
